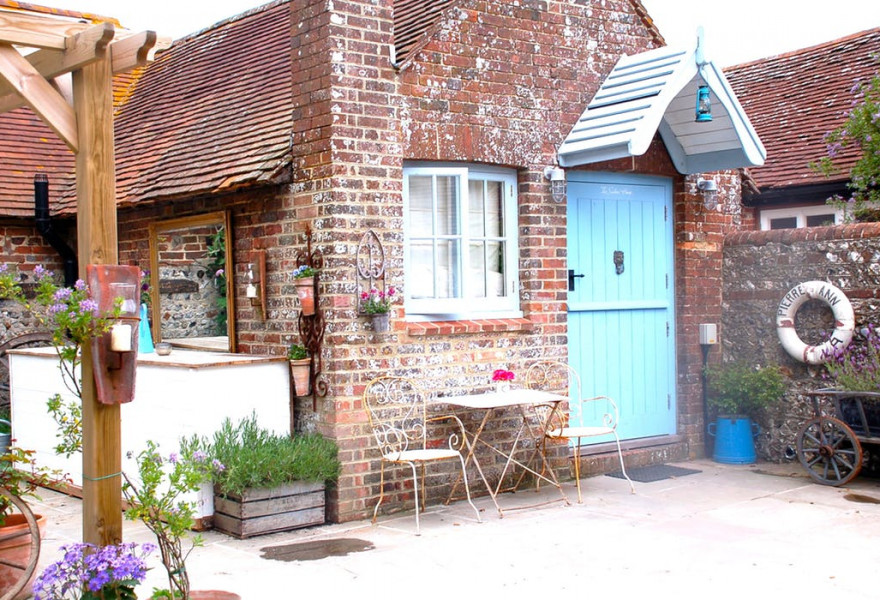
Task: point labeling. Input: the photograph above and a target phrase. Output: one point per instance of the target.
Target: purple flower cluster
(88, 567)
(857, 367)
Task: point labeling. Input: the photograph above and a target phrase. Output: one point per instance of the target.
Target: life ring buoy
(844, 321)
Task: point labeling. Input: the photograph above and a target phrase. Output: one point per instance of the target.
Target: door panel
(621, 324)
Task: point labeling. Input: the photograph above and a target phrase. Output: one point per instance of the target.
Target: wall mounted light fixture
(557, 182)
(709, 189)
(704, 105)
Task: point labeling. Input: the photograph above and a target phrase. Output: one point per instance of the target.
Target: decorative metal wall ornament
(618, 262)
(370, 266)
(311, 327)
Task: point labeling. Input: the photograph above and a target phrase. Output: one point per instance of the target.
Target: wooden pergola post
(97, 244)
(92, 53)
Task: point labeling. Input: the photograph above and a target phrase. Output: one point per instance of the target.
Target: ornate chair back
(396, 408)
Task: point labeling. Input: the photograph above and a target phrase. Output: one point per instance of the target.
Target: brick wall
(759, 268)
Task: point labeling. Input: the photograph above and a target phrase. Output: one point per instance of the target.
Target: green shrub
(257, 458)
(742, 389)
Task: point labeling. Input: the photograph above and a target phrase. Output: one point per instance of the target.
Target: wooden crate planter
(269, 510)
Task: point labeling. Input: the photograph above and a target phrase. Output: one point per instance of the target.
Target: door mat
(654, 473)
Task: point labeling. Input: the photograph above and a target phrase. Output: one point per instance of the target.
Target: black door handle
(571, 278)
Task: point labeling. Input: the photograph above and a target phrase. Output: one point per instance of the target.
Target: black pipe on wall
(44, 226)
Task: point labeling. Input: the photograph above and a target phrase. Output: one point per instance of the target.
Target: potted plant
(737, 394)
(158, 498)
(15, 536)
(376, 304)
(300, 368)
(271, 482)
(304, 281)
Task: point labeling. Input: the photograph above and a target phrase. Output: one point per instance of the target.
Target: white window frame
(466, 307)
(800, 213)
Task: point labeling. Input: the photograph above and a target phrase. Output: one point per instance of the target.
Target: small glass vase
(502, 387)
(145, 338)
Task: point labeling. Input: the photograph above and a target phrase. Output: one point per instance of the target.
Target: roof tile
(794, 99)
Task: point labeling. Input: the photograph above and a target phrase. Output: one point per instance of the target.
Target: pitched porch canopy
(657, 91)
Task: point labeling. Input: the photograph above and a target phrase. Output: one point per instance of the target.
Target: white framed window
(800, 216)
(461, 243)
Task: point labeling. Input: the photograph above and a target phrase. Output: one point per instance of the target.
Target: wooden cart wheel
(29, 565)
(829, 451)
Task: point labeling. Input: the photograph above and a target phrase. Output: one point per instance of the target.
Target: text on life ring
(844, 321)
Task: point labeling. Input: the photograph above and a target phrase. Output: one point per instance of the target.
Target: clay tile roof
(793, 99)
(212, 113)
(413, 20)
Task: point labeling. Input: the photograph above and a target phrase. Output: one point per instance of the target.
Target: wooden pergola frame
(62, 68)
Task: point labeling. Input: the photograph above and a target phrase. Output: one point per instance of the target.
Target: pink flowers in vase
(502, 375)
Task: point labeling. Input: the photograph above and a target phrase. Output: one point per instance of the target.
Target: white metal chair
(555, 376)
(397, 412)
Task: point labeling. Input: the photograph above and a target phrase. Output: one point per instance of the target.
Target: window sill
(418, 328)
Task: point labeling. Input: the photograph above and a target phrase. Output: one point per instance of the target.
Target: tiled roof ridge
(230, 20)
(58, 12)
(809, 49)
(648, 21)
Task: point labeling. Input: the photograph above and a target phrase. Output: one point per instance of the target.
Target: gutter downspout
(44, 226)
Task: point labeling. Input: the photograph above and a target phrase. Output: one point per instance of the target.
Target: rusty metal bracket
(370, 266)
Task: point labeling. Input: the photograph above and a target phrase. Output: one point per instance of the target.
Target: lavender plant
(88, 572)
(857, 367)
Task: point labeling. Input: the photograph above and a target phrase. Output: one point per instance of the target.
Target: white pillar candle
(251, 291)
(120, 337)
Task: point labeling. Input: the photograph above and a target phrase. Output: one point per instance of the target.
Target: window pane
(494, 209)
(477, 270)
(447, 205)
(475, 208)
(495, 262)
(421, 281)
(421, 217)
(448, 269)
(787, 223)
(820, 220)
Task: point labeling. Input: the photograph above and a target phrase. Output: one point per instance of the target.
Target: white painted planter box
(269, 510)
(184, 393)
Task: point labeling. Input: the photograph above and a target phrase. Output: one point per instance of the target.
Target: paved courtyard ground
(752, 531)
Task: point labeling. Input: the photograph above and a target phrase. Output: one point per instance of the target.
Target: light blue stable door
(621, 309)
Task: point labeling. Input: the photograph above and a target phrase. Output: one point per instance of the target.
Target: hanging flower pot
(305, 291)
(299, 371)
(381, 322)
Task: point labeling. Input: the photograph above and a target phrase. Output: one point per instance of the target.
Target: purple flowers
(108, 569)
(857, 367)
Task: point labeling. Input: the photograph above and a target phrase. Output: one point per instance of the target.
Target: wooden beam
(39, 95)
(37, 32)
(136, 50)
(127, 53)
(97, 244)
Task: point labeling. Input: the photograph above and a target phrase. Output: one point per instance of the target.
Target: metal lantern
(704, 105)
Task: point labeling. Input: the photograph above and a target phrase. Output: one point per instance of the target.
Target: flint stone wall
(760, 267)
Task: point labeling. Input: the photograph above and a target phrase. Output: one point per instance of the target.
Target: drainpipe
(44, 226)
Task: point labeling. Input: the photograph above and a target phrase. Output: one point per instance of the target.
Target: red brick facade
(498, 83)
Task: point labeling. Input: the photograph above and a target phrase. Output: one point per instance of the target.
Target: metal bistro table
(525, 400)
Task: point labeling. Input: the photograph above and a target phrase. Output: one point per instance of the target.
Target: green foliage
(861, 130)
(742, 389)
(68, 418)
(254, 457)
(217, 264)
(297, 352)
(22, 483)
(856, 367)
(158, 502)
